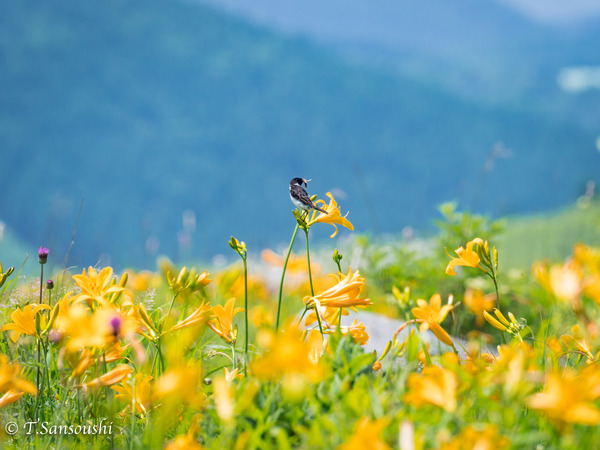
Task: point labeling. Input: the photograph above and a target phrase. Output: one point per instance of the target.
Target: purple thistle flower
(49, 284)
(43, 255)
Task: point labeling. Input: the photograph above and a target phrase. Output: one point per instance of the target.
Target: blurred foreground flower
(138, 391)
(181, 385)
(10, 397)
(470, 437)
(569, 397)
(333, 217)
(477, 303)
(287, 356)
(10, 378)
(367, 434)
(114, 376)
(577, 342)
(186, 441)
(434, 386)
(93, 329)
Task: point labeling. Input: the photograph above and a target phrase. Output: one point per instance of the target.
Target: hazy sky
(557, 11)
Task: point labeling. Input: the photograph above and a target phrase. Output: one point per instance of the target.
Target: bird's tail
(322, 210)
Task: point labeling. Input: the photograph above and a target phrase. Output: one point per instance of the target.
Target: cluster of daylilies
(159, 357)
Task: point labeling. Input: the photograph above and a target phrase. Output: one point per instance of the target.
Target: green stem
(319, 319)
(283, 274)
(312, 291)
(132, 429)
(37, 323)
(303, 314)
(493, 277)
(339, 266)
(246, 314)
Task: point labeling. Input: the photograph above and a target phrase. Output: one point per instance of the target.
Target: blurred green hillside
(158, 110)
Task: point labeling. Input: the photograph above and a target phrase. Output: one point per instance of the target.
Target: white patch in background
(556, 11)
(578, 79)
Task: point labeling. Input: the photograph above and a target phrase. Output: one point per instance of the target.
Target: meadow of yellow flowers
(184, 358)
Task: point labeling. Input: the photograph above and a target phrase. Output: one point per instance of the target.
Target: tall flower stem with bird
(283, 274)
(303, 202)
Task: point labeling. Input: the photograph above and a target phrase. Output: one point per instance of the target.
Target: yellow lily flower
(568, 398)
(286, 355)
(431, 314)
(223, 396)
(222, 320)
(96, 286)
(333, 217)
(328, 314)
(487, 438)
(10, 378)
(478, 303)
(139, 392)
(114, 376)
(367, 434)
(179, 385)
(10, 397)
(357, 331)
(345, 294)
(188, 440)
(97, 329)
(199, 316)
(435, 386)
(466, 257)
(24, 321)
(578, 342)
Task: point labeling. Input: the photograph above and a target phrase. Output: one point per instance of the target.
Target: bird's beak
(306, 181)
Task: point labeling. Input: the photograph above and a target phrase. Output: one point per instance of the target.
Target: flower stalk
(287, 257)
(240, 248)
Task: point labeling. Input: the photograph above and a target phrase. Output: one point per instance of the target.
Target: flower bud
(49, 284)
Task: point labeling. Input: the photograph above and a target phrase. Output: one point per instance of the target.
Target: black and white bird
(299, 196)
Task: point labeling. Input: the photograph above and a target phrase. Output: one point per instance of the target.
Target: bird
(300, 198)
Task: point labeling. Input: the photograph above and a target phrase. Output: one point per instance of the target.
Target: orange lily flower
(333, 217)
(199, 316)
(116, 375)
(10, 378)
(431, 314)
(466, 257)
(222, 320)
(96, 286)
(435, 386)
(24, 321)
(345, 294)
